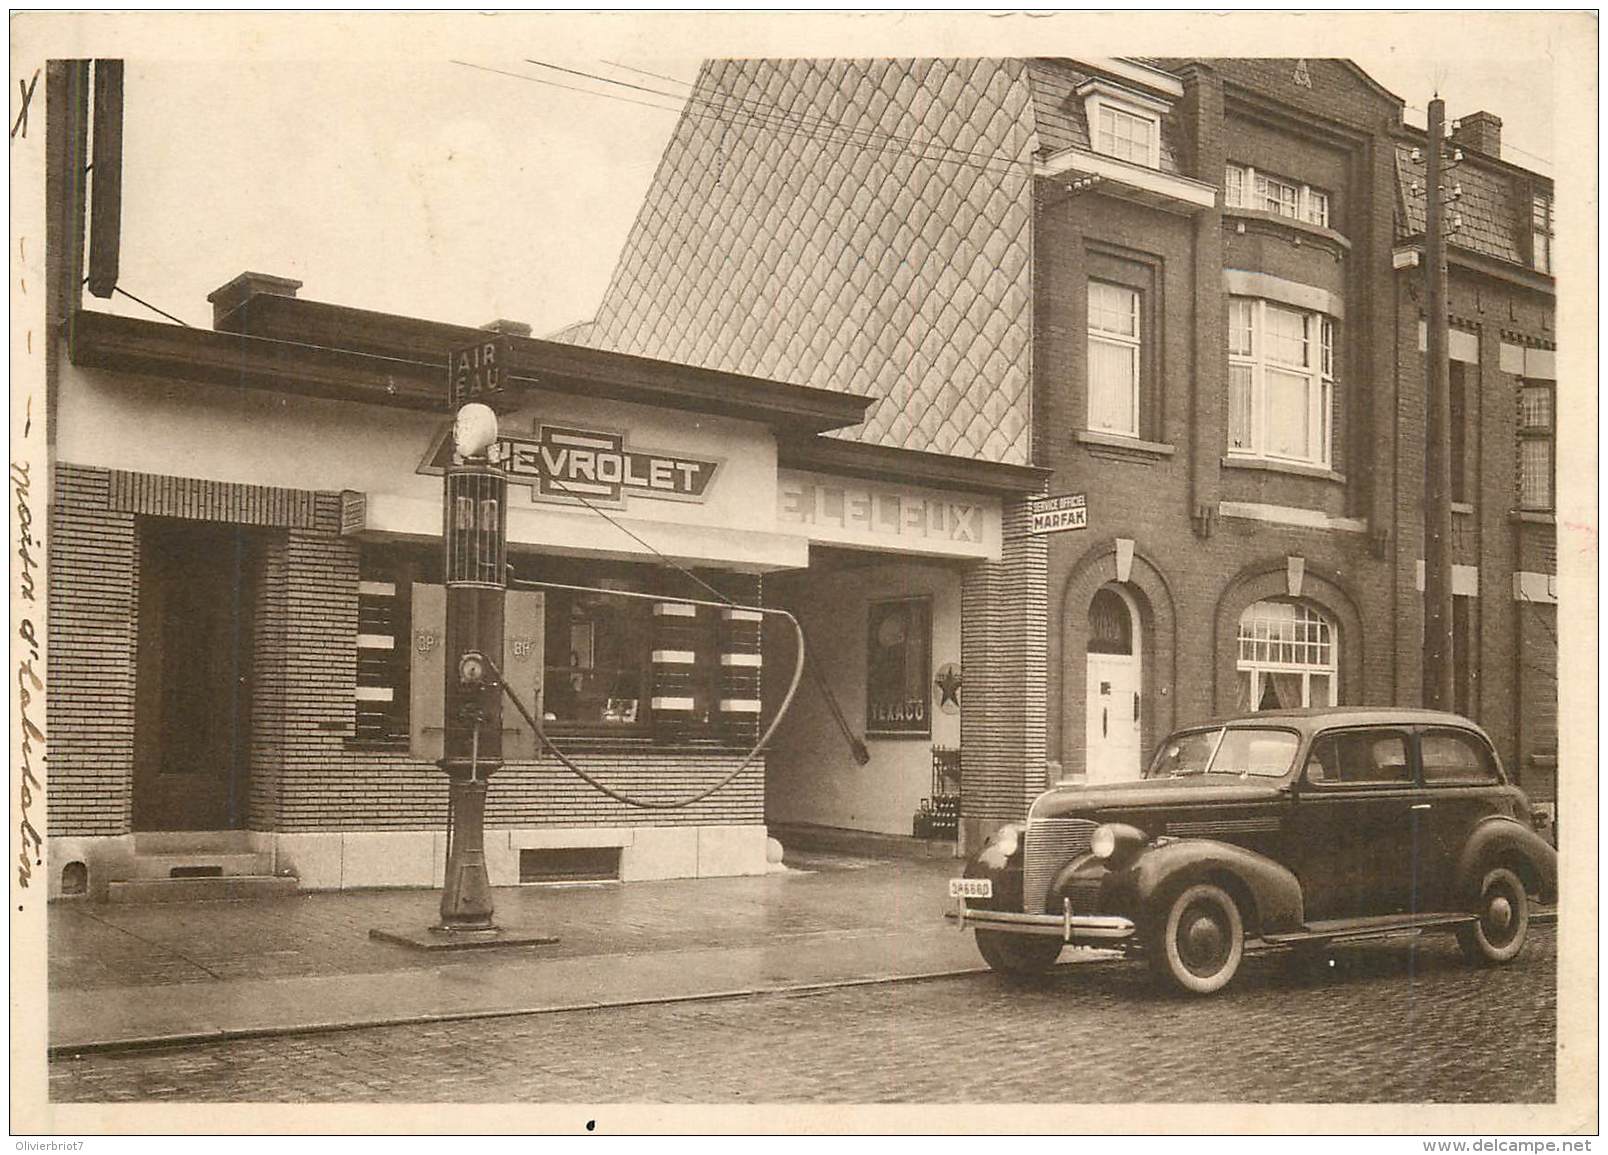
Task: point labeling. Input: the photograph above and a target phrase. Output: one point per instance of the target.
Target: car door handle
(1420, 806)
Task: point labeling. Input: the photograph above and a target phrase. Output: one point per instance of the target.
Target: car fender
(1163, 867)
(1498, 837)
(999, 861)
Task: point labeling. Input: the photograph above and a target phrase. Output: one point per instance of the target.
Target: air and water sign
(1054, 514)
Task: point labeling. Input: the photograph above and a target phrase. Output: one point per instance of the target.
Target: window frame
(1537, 434)
(1100, 96)
(1246, 187)
(1321, 381)
(918, 609)
(1133, 345)
(1542, 232)
(1119, 113)
(1409, 741)
(1487, 756)
(1257, 667)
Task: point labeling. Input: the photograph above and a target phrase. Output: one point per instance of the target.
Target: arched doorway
(1287, 657)
(1111, 717)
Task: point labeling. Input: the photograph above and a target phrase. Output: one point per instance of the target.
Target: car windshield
(1238, 751)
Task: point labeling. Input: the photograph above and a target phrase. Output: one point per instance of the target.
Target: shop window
(1541, 232)
(1114, 348)
(1245, 187)
(1536, 431)
(598, 662)
(1286, 657)
(898, 677)
(1281, 382)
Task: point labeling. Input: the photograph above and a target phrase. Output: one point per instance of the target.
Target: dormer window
(1123, 124)
(1541, 232)
(1249, 188)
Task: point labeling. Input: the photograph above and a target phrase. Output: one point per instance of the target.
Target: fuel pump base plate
(433, 939)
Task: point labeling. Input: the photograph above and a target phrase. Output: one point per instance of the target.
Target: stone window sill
(1130, 445)
(1465, 507)
(1533, 516)
(1270, 466)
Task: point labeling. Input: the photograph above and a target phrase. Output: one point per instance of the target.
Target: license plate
(971, 888)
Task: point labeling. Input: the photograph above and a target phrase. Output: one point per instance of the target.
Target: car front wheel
(1018, 954)
(1503, 920)
(1199, 945)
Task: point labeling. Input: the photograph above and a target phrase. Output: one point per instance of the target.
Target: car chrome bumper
(1067, 926)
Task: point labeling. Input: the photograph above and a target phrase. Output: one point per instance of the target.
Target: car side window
(1360, 758)
(1452, 758)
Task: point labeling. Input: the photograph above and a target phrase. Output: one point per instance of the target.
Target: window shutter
(524, 655)
(428, 645)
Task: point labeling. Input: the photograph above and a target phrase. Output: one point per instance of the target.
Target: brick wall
(1003, 615)
(306, 773)
(94, 589)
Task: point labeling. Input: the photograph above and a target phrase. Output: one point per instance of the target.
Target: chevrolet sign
(562, 463)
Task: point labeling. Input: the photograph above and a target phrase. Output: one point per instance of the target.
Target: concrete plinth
(428, 938)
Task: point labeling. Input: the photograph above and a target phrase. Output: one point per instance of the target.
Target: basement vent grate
(570, 864)
(196, 872)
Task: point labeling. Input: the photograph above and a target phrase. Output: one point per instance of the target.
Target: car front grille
(1048, 844)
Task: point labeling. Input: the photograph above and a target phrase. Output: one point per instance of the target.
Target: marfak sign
(565, 464)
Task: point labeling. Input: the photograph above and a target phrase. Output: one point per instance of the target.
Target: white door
(1112, 718)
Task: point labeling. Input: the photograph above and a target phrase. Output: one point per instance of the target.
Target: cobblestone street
(1396, 1021)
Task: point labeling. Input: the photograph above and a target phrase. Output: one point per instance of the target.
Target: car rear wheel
(1018, 954)
(1503, 920)
(1199, 945)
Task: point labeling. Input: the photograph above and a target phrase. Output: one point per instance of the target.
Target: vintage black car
(1286, 828)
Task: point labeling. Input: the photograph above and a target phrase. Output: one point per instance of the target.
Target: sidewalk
(123, 975)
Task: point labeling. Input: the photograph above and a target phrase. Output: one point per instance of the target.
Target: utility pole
(1438, 673)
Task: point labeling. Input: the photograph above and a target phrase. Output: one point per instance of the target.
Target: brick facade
(306, 772)
(1002, 620)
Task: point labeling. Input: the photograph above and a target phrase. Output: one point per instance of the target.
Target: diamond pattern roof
(1492, 216)
(860, 225)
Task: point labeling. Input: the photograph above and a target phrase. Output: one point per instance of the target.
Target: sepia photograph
(895, 572)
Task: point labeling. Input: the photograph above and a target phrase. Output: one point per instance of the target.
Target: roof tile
(879, 261)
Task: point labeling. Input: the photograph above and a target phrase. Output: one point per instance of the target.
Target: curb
(190, 1038)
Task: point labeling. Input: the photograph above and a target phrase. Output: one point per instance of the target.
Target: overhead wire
(836, 133)
(774, 113)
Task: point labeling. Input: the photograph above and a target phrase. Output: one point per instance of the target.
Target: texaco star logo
(948, 685)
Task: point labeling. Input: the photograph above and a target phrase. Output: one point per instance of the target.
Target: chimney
(229, 302)
(507, 328)
(1480, 131)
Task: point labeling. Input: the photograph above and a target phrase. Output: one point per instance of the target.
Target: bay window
(1114, 359)
(1245, 187)
(1280, 382)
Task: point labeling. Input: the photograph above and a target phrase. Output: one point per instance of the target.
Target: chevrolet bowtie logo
(582, 463)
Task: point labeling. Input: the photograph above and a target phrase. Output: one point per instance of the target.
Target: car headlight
(1116, 841)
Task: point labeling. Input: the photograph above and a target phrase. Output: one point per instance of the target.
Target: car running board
(1375, 926)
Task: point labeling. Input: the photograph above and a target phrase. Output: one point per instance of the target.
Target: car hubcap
(1202, 942)
(1501, 913)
